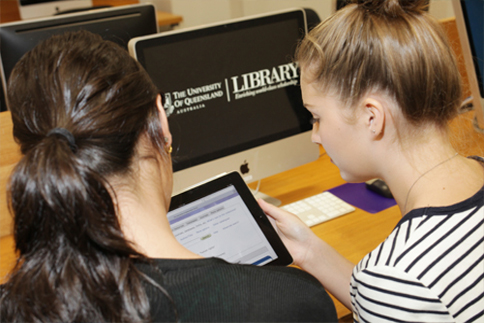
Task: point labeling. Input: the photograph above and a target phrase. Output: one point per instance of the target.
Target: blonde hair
(387, 46)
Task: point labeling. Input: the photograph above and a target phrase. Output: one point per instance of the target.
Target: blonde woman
(382, 84)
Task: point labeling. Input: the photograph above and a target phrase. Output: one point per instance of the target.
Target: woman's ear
(374, 116)
(164, 122)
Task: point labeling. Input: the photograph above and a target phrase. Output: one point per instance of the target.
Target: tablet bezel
(234, 179)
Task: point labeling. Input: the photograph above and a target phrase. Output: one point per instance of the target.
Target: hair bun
(393, 8)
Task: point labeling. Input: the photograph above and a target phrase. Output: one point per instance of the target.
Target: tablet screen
(216, 220)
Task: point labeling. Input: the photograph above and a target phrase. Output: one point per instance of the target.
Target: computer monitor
(29, 9)
(469, 16)
(233, 97)
(118, 24)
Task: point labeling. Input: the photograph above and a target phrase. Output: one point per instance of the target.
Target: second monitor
(118, 24)
(233, 97)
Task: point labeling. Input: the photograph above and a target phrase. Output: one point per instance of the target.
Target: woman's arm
(311, 253)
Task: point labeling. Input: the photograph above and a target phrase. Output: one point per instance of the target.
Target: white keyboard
(319, 208)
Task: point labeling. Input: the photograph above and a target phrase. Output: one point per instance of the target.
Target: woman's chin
(351, 178)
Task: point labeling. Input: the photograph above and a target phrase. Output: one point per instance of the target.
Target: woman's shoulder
(246, 292)
(474, 203)
(219, 269)
(430, 232)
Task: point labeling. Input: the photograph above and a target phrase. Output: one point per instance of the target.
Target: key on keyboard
(319, 208)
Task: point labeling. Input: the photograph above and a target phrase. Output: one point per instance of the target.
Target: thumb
(270, 210)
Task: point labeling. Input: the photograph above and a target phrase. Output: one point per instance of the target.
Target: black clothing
(212, 290)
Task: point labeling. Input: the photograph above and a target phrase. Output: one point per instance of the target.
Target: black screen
(474, 19)
(117, 24)
(29, 2)
(230, 87)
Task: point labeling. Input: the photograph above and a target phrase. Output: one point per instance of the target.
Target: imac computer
(118, 24)
(469, 17)
(29, 9)
(232, 96)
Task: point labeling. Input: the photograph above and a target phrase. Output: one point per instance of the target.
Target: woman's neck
(429, 172)
(142, 202)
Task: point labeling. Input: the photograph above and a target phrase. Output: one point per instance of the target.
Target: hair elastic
(67, 135)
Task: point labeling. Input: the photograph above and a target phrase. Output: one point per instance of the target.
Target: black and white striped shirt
(430, 269)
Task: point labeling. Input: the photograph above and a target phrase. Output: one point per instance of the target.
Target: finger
(263, 206)
(280, 216)
(270, 210)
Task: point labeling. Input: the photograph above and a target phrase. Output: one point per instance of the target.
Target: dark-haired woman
(382, 84)
(90, 197)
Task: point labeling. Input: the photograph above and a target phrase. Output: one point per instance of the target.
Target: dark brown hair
(388, 46)
(74, 261)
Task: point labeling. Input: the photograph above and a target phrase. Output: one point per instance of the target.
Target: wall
(200, 12)
(323, 8)
(441, 9)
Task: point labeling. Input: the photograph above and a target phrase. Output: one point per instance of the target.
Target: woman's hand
(295, 234)
(311, 253)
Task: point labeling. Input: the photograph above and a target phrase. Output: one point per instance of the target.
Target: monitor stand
(265, 197)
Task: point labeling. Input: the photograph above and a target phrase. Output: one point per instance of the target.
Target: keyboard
(319, 208)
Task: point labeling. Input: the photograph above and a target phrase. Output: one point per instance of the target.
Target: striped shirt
(430, 268)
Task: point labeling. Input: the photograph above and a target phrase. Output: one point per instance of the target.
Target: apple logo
(244, 168)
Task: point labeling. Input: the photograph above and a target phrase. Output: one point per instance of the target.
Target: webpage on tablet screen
(220, 225)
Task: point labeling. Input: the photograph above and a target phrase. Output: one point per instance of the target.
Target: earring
(374, 131)
(168, 149)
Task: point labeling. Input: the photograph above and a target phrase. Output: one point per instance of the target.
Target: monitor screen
(118, 24)
(229, 88)
(469, 17)
(473, 11)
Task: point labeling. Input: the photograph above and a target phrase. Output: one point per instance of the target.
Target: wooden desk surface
(9, 156)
